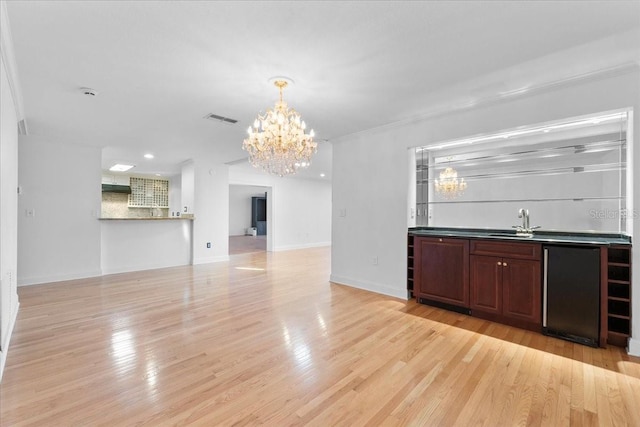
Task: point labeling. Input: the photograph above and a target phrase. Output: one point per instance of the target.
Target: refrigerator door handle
(545, 277)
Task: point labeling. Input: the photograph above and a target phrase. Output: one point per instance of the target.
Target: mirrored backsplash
(570, 175)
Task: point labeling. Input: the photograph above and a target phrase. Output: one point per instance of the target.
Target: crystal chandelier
(449, 186)
(277, 143)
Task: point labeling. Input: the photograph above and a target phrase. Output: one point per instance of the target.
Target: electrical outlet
(343, 212)
(375, 260)
(30, 212)
(208, 245)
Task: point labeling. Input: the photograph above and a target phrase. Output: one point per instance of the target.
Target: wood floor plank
(266, 339)
(619, 413)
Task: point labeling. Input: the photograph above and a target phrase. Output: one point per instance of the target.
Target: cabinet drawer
(450, 240)
(506, 249)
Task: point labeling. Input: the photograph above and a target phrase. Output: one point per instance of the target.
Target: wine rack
(616, 304)
(410, 262)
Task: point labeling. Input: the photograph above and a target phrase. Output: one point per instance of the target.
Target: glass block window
(149, 193)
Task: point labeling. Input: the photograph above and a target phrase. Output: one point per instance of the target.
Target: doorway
(248, 219)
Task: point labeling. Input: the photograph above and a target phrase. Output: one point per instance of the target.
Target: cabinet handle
(504, 264)
(545, 276)
(499, 263)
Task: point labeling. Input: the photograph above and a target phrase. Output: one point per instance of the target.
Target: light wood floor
(247, 244)
(266, 339)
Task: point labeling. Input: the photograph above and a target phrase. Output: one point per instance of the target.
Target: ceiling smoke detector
(88, 91)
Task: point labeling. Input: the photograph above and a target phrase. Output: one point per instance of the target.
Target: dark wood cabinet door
(486, 283)
(442, 269)
(522, 290)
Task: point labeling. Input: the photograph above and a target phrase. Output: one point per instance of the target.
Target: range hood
(113, 188)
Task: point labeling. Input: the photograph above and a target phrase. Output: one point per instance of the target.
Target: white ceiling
(161, 66)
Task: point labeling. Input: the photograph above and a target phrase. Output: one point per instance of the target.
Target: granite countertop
(541, 236)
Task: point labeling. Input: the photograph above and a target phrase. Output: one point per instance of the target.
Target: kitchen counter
(590, 238)
(152, 218)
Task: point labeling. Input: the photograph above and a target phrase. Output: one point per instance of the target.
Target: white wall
(370, 194)
(302, 213)
(187, 190)
(370, 172)
(240, 207)
(61, 186)
(300, 209)
(211, 210)
(134, 245)
(8, 207)
(175, 194)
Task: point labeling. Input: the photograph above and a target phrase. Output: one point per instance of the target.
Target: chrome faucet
(525, 228)
(524, 214)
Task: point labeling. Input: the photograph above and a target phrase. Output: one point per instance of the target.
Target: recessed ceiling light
(148, 156)
(120, 167)
(322, 175)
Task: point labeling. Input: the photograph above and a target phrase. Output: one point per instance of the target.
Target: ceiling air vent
(221, 119)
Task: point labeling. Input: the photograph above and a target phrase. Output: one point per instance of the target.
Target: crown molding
(10, 65)
(492, 99)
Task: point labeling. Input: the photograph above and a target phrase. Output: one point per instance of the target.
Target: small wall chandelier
(449, 186)
(277, 141)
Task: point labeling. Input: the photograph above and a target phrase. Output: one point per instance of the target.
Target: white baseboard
(208, 260)
(378, 288)
(634, 347)
(133, 268)
(300, 246)
(36, 280)
(5, 344)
